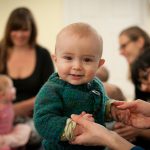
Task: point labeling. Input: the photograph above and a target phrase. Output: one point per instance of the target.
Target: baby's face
(11, 95)
(10, 92)
(77, 59)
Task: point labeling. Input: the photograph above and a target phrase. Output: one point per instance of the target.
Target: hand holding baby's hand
(120, 115)
(87, 116)
(78, 130)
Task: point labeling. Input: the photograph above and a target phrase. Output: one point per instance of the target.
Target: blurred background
(109, 17)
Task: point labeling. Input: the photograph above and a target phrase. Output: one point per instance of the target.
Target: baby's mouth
(76, 75)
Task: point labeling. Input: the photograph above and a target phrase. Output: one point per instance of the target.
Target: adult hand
(137, 106)
(128, 132)
(139, 113)
(119, 114)
(94, 134)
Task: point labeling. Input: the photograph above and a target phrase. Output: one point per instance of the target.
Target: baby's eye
(67, 57)
(87, 59)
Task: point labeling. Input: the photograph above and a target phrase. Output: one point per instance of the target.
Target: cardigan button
(96, 92)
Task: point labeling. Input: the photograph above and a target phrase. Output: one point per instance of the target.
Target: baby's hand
(79, 129)
(120, 115)
(87, 116)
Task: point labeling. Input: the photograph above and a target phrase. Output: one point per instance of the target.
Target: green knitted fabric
(55, 103)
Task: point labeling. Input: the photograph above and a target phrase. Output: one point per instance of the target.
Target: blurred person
(114, 92)
(103, 74)
(133, 42)
(10, 136)
(26, 62)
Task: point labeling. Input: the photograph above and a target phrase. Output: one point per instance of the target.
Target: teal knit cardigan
(55, 103)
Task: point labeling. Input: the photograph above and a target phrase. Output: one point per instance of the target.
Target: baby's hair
(81, 30)
(5, 81)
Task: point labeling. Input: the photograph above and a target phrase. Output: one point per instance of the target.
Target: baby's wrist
(109, 109)
(68, 134)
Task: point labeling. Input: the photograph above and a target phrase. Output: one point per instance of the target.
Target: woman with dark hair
(28, 64)
(133, 42)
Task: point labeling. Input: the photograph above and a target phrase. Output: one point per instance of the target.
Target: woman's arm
(24, 108)
(95, 134)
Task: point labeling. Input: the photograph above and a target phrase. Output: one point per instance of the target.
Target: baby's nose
(77, 65)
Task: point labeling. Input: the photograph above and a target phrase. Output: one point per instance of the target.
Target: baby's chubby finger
(83, 113)
(79, 120)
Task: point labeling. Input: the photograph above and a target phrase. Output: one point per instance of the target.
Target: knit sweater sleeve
(48, 113)
(137, 148)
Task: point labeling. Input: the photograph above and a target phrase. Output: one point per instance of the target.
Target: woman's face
(129, 49)
(20, 37)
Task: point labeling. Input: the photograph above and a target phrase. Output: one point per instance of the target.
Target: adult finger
(127, 105)
(78, 140)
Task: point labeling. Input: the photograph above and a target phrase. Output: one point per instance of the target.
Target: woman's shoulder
(42, 50)
(42, 54)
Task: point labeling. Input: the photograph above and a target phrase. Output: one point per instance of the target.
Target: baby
(10, 136)
(73, 89)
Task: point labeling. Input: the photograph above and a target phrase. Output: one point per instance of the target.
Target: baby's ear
(54, 58)
(101, 62)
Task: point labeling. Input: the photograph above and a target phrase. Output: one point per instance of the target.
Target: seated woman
(26, 62)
